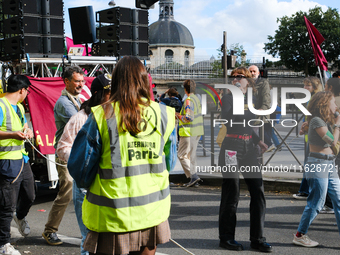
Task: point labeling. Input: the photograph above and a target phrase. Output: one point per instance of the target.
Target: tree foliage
(291, 42)
(238, 51)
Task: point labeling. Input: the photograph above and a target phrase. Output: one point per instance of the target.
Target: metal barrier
(283, 140)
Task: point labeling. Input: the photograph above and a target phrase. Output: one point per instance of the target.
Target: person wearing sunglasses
(236, 155)
(17, 191)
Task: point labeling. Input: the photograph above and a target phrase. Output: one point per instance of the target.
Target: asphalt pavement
(194, 225)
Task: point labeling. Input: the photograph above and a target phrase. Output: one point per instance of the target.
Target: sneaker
(192, 182)
(23, 227)
(327, 210)
(271, 148)
(52, 239)
(8, 249)
(299, 195)
(305, 241)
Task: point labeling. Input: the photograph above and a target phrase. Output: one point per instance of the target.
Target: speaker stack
(121, 32)
(34, 27)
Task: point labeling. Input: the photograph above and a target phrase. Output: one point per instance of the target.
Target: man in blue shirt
(16, 177)
(66, 106)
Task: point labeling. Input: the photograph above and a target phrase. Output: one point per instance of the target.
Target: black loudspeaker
(16, 7)
(19, 25)
(140, 49)
(115, 48)
(143, 17)
(82, 24)
(115, 33)
(53, 45)
(53, 26)
(35, 27)
(140, 33)
(2, 50)
(52, 7)
(14, 47)
(114, 15)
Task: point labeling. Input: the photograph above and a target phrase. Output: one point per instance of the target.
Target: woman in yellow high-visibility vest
(129, 144)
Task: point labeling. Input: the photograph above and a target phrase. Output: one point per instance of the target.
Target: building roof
(168, 32)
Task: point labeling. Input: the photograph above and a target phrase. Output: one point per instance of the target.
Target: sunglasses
(238, 77)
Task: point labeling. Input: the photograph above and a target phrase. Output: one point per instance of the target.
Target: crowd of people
(114, 153)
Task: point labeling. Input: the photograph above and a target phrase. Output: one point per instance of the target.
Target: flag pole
(325, 76)
(323, 86)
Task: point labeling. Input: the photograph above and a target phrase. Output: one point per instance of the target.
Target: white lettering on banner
(238, 102)
(218, 122)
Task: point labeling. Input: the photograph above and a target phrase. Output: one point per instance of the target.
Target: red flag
(316, 39)
(44, 94)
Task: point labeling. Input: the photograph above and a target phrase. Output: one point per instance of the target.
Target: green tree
(238, 51)
(291, 41)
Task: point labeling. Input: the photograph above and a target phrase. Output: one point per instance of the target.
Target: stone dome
(167, 31)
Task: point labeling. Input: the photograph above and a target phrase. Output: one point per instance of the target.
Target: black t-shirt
(240, 122)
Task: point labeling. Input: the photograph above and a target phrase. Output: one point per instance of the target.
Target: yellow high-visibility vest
(194, 128)
(131, 189)
(11, 148)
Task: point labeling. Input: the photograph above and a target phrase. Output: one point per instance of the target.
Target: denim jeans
(322, 180)
(78, 198)
(304, 184)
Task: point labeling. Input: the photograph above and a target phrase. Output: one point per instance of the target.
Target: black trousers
(18, 196)
(246, 159)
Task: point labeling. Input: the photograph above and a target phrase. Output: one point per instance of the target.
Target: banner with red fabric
(316, 39)
(44, 94)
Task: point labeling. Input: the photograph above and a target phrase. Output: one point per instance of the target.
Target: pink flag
(316, 39)
(69, 43)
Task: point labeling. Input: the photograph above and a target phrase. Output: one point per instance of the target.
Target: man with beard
(66, 106)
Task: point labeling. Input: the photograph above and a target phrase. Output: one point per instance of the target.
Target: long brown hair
(315, 83)
(130, 84)
(318, 106)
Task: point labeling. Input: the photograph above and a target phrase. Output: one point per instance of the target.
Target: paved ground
(194, 225)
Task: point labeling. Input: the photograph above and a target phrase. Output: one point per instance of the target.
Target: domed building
(169, 40)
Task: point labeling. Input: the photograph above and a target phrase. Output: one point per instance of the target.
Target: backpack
(175, 103)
